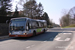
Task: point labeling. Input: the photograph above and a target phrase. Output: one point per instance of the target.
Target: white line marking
(67, 33)
(60, 40)
(67, 39)
(64, 33)
(28, 47)
(57, 38)
(45, 41)
(59, 34)
(32, 45)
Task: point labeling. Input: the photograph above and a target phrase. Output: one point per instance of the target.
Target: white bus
(26, 27)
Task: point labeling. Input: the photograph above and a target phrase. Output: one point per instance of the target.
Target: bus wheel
(34, 33)
(44, 30)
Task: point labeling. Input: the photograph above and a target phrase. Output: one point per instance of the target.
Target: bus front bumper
(28, 35)
(17, 36)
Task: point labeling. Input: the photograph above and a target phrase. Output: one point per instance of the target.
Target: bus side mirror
(7, 21)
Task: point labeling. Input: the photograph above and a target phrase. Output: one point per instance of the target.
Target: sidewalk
(4, 37)
(72, 44)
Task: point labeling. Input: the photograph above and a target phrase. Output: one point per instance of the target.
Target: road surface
(53, 39)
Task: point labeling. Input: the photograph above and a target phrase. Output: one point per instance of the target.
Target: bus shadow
(47, 36)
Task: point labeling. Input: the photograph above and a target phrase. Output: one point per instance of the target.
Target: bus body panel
(27, 33)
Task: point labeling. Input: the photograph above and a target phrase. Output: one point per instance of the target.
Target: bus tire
(44, 30)
(34, 33)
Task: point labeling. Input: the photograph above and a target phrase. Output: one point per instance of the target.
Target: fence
(4, 28)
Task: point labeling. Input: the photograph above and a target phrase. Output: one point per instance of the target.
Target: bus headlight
(9, 33)
(24, 33)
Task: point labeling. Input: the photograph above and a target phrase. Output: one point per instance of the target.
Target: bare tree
(72, 15)
(31, 8)
(65, 20)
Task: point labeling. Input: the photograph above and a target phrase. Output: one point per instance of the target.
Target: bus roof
(29, 18)
(20, 18)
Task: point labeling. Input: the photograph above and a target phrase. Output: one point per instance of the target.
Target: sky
(55, 8)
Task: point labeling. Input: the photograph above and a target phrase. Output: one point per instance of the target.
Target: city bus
(26, 27)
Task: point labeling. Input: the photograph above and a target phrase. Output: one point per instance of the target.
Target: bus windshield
(17, 25)
(18, 20)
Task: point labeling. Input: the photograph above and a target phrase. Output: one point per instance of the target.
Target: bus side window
(34, 25)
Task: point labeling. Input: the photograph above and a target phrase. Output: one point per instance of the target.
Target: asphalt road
(53, 39)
